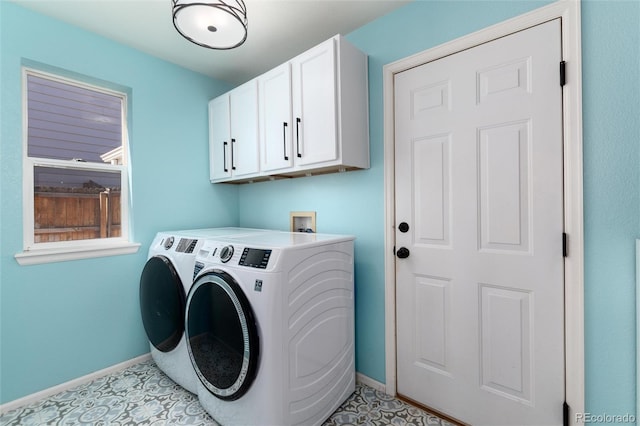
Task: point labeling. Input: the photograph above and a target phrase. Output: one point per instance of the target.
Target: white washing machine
(270, 327)
(164, 283)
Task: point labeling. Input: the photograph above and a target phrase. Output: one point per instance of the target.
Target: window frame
(45, 252)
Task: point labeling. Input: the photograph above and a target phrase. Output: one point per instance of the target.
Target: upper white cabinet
(275, 119)
(313, 115)
(233, 134)
(315, 105)
(219, 139)
(243, 106)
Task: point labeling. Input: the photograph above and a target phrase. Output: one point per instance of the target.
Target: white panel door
(479, 178)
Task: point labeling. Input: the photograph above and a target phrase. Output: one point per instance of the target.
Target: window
(75, 169)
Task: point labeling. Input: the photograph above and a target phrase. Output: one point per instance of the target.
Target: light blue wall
(62, 321)
(611, 115)
(353, 202)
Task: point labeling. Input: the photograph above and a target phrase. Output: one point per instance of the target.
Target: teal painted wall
(353, 202)
(611, 116)
(64, 320)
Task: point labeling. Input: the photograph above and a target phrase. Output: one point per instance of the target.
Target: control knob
(226, 253)
(168, 243)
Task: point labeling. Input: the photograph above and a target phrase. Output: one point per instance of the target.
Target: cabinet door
(243, 106)
(314, 103)
(219, 139)
(275, 119)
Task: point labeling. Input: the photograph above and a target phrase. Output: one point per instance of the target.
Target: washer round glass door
(162, 303)
(222, 336)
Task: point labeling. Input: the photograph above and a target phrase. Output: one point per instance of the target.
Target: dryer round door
(222, 337)
(162, 303)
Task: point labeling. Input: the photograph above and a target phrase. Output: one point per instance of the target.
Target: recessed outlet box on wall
(303, 221)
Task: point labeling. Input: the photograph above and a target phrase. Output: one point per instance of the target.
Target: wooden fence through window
(64, 216)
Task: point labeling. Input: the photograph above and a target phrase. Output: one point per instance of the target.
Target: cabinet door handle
(298, 136)
(224, 155)
(284, 140)
(233, 164)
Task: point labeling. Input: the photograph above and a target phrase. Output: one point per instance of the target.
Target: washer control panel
(224, 253)
(255, 258)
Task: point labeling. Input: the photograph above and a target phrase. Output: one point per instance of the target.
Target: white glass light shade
(216, 24)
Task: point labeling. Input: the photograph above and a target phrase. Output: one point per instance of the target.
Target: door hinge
(564, 244)
(563, 73)
(565, 414)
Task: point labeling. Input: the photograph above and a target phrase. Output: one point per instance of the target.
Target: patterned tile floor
(143, 395)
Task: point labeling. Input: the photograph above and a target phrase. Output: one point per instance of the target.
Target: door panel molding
(569, 12)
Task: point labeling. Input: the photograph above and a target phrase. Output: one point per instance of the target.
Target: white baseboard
(35, 397)
(366, 380)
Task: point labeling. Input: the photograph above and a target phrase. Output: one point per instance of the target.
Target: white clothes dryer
(270, 327)
(164, 283)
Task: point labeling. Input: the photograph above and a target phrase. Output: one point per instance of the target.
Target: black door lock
(403, 252)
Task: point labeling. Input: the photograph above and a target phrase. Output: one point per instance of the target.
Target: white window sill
(38, 256)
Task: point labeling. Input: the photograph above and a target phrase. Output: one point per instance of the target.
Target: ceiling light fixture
(216, 24)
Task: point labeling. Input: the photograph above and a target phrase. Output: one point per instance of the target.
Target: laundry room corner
(61, 322)
(352, 202)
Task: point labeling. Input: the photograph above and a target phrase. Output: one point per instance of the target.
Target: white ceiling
(278, 29)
